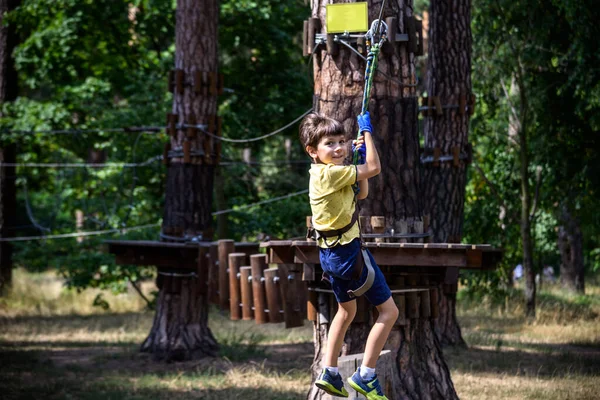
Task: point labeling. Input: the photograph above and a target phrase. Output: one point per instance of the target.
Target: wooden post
(226, 246)
(246, 290)
(292, 314)
(273, 296)
(236, 260)
(308, 272)
(426, 227)
(402, 228)
(418, 228)
(378, 226)
(258, 263)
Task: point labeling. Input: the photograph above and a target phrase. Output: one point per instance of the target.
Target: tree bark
(448, 78)
(570, 245)
(420, 369)
(530, 287)
(180, 329)
(8, 192)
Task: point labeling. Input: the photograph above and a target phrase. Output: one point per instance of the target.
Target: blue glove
(362, 153)
(364, 122)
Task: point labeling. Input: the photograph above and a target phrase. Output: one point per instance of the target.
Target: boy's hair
(316, 126)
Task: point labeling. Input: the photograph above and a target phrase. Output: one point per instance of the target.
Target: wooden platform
(463, 256)
(285, 284)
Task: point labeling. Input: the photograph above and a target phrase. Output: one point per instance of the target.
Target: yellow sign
(350, 17)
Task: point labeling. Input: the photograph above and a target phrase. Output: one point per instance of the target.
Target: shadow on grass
(34, 375)
(539, 360)
(96, 390)
(103, 321)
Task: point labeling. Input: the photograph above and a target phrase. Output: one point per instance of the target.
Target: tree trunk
(180, 329)
(530, 289)
(449, 79)
(570, 245)
(8, 191)
(420, 370)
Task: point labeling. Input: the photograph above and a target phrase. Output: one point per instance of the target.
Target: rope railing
(140, 227)
(157, 129)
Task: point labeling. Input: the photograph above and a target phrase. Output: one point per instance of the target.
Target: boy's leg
(329, 381)
(337, 331)
(364, 379)
(388, 314)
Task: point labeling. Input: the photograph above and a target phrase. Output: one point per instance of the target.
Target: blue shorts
(338, 263)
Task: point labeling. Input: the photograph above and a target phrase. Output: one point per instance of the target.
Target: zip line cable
(140, 227)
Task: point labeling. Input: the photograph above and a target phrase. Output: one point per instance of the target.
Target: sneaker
(332, 384)
(370, 389)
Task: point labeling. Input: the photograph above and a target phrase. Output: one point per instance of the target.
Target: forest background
(104, 64)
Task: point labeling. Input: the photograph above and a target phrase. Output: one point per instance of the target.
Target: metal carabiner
(376, 31)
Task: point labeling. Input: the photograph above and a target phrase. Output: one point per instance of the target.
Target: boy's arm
(364, 189)
(372, 166)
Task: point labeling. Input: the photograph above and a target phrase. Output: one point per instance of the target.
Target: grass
(55, 345)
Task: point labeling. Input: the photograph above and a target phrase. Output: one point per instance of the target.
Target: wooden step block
(385, 369)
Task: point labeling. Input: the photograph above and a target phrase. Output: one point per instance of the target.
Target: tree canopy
(104, 64)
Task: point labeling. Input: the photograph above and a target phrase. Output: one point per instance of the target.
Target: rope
(82, 165)
(158, 129)
(123, 230)
(260, 203)
(132, 129)
(372, 60)
(78, 234)
(224, 139)
(388, 77)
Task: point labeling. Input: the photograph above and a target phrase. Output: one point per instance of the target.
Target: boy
(332, 201)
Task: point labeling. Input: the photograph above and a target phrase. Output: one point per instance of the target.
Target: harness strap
(370, 275)
(316, 234)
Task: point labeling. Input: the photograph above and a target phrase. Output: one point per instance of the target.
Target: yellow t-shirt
(332, 200)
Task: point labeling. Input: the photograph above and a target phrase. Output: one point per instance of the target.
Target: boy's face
(330, 150)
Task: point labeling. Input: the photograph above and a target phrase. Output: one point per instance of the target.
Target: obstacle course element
(286, 284)
(412, 37)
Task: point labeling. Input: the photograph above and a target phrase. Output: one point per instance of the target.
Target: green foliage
(103, 64)
(546, 49)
